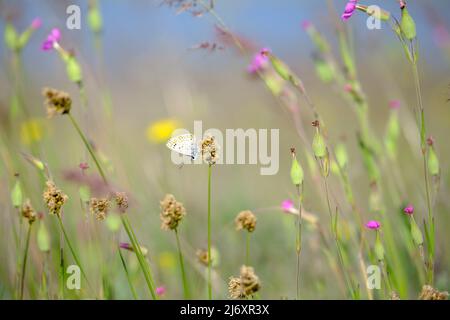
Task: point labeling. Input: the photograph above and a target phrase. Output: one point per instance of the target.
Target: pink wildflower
(52, 39)
(160, 291)
(373, 224)
(349, 9)
(258, 63)
(409, 209)
(287, 206)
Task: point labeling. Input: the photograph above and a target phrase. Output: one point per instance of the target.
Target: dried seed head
(172, 212)
(57, 102)
(249, 281)
(54, 198)
(246, 285)
(121, 200)
(28, 212)
(235, 288)
(246, 220)
(430, 293)
(202, 256)
(209, 150)
(99, 207)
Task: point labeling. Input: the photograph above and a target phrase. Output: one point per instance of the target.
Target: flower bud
(407, 25)
(416, 233)
(297, 174)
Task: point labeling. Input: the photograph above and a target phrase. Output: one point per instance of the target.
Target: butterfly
(184, 144)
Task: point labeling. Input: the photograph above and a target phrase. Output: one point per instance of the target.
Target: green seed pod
(296, 172)
(379, 249)
(73, 69)
(11, 36)
(341, 155)
(408, 25)
(324, 71)
(319, 146)
(274, 84)
(43, 238)
(17, 195)
(280, 67)
(416, 233)
(94, 19)
(433, 162)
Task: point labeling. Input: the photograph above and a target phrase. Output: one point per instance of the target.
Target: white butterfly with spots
(184, 144)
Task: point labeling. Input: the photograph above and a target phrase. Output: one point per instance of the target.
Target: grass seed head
(172, 212)
(54, 198)
(28, 212)
(99, 207)
(209, 150)
(57, 102)
(246, 285)
(121, 200)
(430, 293)
(246, 220)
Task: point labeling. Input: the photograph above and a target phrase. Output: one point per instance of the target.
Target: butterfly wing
(184, 144)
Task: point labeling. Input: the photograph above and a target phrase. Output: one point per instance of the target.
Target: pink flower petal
(373, 224)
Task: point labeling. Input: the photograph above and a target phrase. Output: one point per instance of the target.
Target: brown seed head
(235, 288)
(209, 150)
(121, 200)
(246, 220)
(28, 212)
(246, 285)
(57, 102)
(99, 207)
(172, 212)
(430, 293)
(54, 198)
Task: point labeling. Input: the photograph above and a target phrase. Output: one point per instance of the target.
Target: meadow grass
(355, 205)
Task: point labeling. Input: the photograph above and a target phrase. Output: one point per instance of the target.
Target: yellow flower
(167, 260)
(161, 130)
(31, 131)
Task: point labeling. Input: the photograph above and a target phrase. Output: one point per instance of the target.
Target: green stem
(137, 249)
(130, 283)
(88, 146)
(24, 264)
(336, 240)
(422, 129)
(183, 272)
(72, 250)
(209, 234)
(247, 249)
(299, 239)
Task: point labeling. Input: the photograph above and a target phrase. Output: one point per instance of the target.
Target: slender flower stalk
(209, 152)
(88, 147)
(297, 177)
(141, 259)
(130, 282)
(209, 234)
(187, 294)
(246, 220)
(172, 212)
(24, 263)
